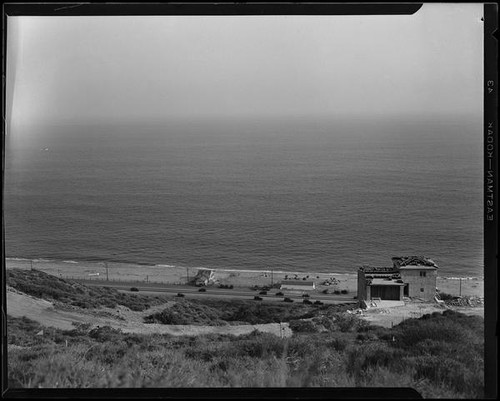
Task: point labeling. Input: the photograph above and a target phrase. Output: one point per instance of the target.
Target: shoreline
(169, 274)
(11, 260)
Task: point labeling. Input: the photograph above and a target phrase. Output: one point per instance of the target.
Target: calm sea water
(301, 196)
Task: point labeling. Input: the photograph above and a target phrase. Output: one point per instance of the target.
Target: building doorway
(385, 292)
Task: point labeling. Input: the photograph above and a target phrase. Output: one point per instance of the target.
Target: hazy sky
(106, 69)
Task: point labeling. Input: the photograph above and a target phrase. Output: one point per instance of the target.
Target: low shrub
(445, 297)
(447, 371)
(303, 326)
(413, 331)
(372, 354)
(338, 343)
(347, 322)
(187, 312)
(303, 345)
(105, 333)
(366, 337)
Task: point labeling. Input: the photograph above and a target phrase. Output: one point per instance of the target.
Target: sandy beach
(238, 278)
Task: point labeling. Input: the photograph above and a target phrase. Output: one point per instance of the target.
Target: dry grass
(419, 357)
(440, 355)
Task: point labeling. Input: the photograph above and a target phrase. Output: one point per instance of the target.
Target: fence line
(31, 264)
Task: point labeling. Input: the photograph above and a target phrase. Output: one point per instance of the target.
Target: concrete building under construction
(409, 276)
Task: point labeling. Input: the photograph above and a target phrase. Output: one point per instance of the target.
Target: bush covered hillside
(51, 288)
(222, 311)
(440, 355)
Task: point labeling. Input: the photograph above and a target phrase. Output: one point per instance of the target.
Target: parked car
(202, 289)
(279, 294)
(135, 289)
(318, 303)
(288, 300)
(180, 295)
(263, 293)
(256, 298)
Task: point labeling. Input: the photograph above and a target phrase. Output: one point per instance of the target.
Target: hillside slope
(61, 304)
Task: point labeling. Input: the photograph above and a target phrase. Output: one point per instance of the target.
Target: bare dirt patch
(388, 317)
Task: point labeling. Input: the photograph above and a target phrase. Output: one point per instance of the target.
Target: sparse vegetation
(220, 312)
(46, 286)
(440, 355)
(412, 354)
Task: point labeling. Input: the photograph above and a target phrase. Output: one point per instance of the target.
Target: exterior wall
(362, 287)
(416, 282)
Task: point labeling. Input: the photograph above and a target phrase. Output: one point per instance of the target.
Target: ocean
(297, 195)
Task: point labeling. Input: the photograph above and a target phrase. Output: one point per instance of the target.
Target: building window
(421, 290)
(422, 274)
